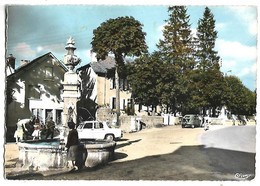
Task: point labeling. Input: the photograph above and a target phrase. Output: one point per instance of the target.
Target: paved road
(168, 153)
(236, 138)
(231, 150)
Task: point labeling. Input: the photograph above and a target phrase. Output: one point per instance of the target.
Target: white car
(98, 130)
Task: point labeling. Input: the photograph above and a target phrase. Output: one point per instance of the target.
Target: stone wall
(145, 122)
(126, 122)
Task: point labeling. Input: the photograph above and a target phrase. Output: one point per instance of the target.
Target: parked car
(191, 120)
(98, 130)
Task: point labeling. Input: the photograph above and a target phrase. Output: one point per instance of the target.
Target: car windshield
(186, 118)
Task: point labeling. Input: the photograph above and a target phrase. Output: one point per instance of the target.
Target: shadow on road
(230, 161)
(127, 143)
(186, 163)
(119, 155)
(122, 139)
(11, 163)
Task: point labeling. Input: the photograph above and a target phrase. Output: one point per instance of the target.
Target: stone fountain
(51, 154)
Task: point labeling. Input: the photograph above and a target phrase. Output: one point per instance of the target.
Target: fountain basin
(49, 154)
(99, 152)
(42, 155)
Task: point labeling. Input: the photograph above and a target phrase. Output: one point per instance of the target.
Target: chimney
(11, 61)
(24, 62)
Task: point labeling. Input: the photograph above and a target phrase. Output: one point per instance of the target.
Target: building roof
(102, 66)
(31, 63)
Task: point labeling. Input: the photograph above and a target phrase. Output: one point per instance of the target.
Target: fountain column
(71, 85)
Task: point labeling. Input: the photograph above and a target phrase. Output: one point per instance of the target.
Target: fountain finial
(70, 59)
(70, 41)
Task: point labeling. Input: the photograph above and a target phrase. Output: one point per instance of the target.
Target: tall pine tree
(206, 38)
(176, 50)
(210, 84)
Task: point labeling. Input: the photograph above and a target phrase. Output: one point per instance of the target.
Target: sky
(33, 31)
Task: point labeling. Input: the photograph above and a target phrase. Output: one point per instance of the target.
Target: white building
(34, 88)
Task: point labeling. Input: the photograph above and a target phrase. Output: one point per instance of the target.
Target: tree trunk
(117, 96)
(204, 111)
(214, 112)
(153, 110)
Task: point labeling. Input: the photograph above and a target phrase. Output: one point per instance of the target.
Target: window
(123, 84)
(130, 103)
(37, 113)
(112, 83)
(88, 126)
(58, 117)
(34, 112)
(48, 73)
(113, 103)
(48, 114)
(99, 125)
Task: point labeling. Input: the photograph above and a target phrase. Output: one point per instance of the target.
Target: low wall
(145, 122)
(126, 125)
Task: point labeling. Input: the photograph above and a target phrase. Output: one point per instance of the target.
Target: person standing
(206, 127)
(73, 145)
(21, 128)
(30, 126)
(37, 129)
(50, 128)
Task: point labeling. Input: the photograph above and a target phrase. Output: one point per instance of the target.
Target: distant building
(98, 87)
(34, 88)
(98, 79)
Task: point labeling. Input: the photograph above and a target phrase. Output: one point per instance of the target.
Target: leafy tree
(176, 50)
(239, 100)
(121, 37)
(143, 76)
(214, 88)
(250, 108)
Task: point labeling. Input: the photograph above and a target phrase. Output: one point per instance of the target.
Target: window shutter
(111, 102)
(111, 83)
(122, 104)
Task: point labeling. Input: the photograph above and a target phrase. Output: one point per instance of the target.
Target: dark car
(191, 120)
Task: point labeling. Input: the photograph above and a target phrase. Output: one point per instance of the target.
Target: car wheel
(182, 126)
(109, 137)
